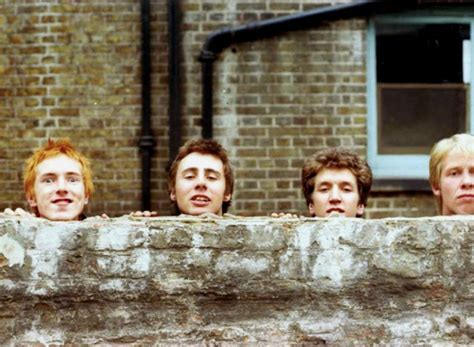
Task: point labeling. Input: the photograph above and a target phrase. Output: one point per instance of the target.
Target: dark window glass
(421, 96)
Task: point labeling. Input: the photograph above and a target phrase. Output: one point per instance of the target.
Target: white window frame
(404, 166)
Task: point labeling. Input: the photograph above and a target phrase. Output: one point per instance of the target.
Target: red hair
(49, 150)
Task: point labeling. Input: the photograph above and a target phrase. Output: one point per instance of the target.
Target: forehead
(201, 161)
(458, 159)
(335, 176)
(59, 164)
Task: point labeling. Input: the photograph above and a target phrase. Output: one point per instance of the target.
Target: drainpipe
(220, 39)
(146, 142)
(174, 76)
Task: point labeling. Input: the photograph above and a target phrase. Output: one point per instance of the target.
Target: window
(418, 89)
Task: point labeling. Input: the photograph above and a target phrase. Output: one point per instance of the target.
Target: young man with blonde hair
(57, 182)
(336, 181)
(452, 174)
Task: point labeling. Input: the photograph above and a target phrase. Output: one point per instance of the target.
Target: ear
(86, 200)
(173, 195)
(227, 197)
(436, 191)
(32, 201)
(360, 210)
(311, 209)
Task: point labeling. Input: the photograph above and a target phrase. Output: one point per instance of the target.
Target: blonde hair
(463, 143)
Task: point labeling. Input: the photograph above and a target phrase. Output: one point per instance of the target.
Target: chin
(62, 217)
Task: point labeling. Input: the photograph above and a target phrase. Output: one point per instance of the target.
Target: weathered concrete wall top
(183, 280)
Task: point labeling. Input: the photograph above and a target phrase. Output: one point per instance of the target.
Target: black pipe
(146, 142)
(174, 73)
(220, 39)
(207, 58)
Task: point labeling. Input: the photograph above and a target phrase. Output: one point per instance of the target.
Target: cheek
(42, 191)
(182, 186)
(449, 184)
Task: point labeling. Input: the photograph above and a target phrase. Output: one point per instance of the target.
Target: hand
(19, 212)
(205, 215)
(102, 216)
(143, 214)
(283, 215)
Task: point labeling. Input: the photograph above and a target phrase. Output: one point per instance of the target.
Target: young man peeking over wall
(57, 182)
(452, 174)
(200, 180)
(336, 181)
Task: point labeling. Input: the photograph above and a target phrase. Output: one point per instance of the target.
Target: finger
(21, 212)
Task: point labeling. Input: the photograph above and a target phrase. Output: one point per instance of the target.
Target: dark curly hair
(337, 158)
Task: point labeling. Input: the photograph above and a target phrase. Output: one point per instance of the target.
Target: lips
(466, 196)
(61, 201)
(335, 209)
(200, 200)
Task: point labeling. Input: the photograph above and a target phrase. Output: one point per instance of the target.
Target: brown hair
(337, 158)
(203, 146)
(51, 149)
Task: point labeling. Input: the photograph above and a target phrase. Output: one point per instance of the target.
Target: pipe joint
(207, 56)
(146, 143)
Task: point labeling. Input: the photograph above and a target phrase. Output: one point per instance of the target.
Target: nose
(335, 195)
(201, 183)
(467, 180)
(61, 184)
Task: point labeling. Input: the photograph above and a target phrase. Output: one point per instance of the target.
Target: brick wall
(73, 69)
(246, 280)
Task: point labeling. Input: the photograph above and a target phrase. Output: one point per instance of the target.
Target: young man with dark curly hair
(336, 181)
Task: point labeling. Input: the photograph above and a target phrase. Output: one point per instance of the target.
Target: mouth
(200, 200)
(61, 201)
(335, 210)
(466, 196)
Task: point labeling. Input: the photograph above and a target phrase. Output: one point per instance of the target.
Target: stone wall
(237, 280)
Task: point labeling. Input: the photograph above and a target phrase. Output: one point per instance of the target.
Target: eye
(73, 179)
(189, 176)
(47, 180)
(323, 189)
(347, 189)
(453, 173)
(212, 177)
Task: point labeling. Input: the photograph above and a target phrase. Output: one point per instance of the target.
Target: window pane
(421, 95)
(414, 116)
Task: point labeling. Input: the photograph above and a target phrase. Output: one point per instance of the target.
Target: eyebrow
(335, 183)
(71, 173)
(207, 171)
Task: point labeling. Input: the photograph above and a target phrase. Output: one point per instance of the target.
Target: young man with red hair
(57, 182)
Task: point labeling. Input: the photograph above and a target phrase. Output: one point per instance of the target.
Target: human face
(335, 192)
(200, 185)
(59, 192)
(456, 184)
